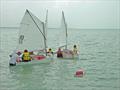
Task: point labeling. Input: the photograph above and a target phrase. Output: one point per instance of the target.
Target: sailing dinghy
(32, 36)
(66, 53)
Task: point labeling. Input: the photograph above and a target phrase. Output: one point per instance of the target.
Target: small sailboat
(66, 53)
(32, 36)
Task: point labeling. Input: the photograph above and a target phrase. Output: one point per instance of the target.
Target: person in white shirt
(19, 58)
(13, 58)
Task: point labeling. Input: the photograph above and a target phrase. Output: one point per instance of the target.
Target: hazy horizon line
(68, 28)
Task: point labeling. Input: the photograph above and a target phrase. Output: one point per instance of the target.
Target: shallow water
(99, 58)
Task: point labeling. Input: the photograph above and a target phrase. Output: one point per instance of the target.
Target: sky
(100, 14)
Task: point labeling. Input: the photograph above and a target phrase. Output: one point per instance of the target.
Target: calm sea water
(99, 58)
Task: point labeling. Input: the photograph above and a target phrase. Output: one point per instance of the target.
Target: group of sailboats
(33, 37)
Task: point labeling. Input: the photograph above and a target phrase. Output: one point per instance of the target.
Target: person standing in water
(13, 58)
(75, 51)
(26, 56)
(19, 59)
(59, 53)
(49, 52)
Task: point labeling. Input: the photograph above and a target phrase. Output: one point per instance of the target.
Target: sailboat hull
(37, 59)
(68, 54)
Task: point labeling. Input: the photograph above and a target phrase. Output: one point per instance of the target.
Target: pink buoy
(79, 73)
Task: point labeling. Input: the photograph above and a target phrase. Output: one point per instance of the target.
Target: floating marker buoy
(79, 73)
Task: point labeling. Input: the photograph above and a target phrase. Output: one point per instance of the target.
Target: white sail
(63, 33)
(31, 36)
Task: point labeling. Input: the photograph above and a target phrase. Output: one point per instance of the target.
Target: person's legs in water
(12, 64)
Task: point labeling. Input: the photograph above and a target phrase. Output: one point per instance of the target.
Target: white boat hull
(68, 54)
(36, 61)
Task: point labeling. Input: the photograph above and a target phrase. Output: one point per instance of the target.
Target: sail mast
(46, 17)
(45, 31)
(44, 39)
(65, 28)
(46, 26)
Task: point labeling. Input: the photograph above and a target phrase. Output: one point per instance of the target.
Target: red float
(79, 73)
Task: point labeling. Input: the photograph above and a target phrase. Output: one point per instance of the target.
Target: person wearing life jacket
(26, 56)
(75, 51)
(50, 51)
(59, 53)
